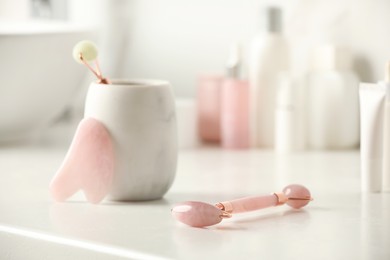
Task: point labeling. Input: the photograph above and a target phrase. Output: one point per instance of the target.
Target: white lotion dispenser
(332, 100)
(268, 57)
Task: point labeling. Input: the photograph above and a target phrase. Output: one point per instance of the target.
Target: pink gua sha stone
(88, 165)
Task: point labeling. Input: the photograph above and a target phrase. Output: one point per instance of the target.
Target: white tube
(386, 141)
(372, 101)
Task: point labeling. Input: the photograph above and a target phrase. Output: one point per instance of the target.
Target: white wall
(177, 40)
(14, 9)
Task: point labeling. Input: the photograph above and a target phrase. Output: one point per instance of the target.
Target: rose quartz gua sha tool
(89, 163)
(201, 214)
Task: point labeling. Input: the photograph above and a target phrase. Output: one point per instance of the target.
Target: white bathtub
(38, 76)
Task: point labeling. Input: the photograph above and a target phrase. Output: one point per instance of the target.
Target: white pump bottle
(268, 57)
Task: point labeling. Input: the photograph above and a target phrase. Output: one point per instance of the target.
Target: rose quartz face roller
(201, 214)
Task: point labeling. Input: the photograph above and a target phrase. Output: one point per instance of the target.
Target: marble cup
(140, 117)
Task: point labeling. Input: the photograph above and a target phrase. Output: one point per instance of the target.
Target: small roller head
(298, 195)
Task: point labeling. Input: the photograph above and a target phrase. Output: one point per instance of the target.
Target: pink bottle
(209, 108)
(234, 106)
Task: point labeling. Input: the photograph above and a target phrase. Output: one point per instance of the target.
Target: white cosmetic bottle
(372, 140)
(289, 119)
(332, 101)
(268, 57)
(386, 132)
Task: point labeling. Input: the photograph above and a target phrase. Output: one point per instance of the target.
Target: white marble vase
(140, 117)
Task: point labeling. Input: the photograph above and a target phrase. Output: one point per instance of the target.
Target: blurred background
(178, 41)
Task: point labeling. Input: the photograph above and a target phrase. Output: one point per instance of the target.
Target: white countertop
(341, 223)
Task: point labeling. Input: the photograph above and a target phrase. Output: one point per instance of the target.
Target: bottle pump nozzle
(234, 61)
